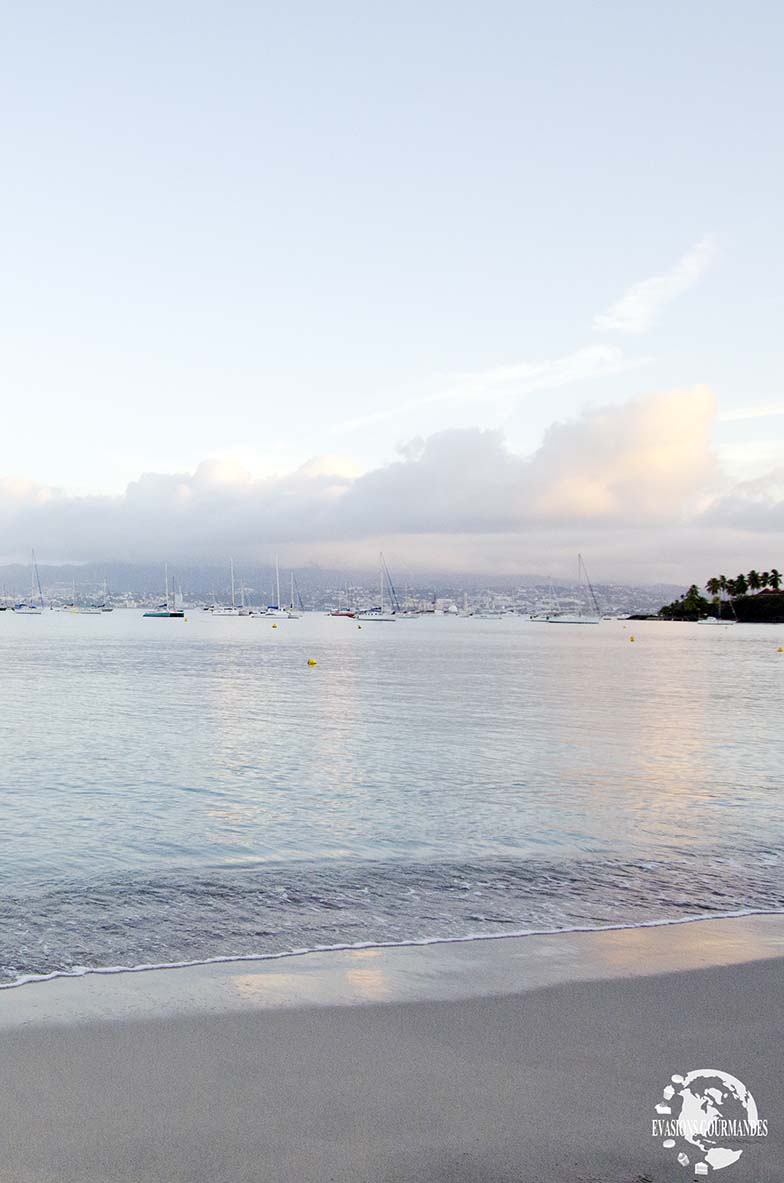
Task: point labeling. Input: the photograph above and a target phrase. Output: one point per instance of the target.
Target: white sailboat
(292, 612)
(227, 609)
(380, 613)
(244, 609)
(718, 619)
(579, 617)
(542, 615)
(30, 607)
(106, 604)
(276, 609)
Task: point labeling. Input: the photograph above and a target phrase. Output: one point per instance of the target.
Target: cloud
(614, 471)
(642, 461)
(506, 382)
(762, 411)
(751, 505)
(640, 305)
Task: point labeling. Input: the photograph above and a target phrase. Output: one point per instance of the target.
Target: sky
(484, 284)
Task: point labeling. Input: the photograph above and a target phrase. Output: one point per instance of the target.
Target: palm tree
(764, 579)
(741, 586)
(713, 587)
(754, 580)
(775, 579)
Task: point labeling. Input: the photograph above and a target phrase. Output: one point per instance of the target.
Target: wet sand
(532, 1059)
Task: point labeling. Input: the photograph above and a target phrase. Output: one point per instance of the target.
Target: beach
(526, 1059)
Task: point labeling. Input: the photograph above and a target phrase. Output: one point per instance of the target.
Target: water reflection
(339, 978)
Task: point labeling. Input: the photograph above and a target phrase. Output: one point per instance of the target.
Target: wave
(82, 971)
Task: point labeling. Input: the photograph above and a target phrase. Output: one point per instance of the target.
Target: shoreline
(414, 943)
(429, 970)
(515, 1060)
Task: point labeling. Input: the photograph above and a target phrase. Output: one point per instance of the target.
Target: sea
(182, 791)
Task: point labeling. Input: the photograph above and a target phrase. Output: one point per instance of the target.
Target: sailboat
(341, 610)
(30, 608)
(85, 609)
(73, 607)
(168, 609)
(579, 617)
(543, 615)
(276, 609)
(244, 609)
(380, 613)
(291, 611)
(106, 604)
(719, 619)
(227, 609)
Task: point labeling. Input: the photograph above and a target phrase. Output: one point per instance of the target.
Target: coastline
(429, 970)
(521, 1058)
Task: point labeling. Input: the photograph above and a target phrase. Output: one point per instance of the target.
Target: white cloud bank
(640, 305)
(625, 481)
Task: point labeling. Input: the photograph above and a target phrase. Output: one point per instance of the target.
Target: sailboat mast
(292, 591)
(231, 565)
(37, 580)
(277, 583)
(166, 581)
(381, 569)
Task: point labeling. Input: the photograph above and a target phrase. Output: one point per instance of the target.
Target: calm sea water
(174, 791)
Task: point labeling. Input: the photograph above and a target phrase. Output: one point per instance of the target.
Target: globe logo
(707, 1117)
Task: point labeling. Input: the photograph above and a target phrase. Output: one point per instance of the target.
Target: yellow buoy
(312, 661)
(781, 649)
(631, 638)
(274, 626)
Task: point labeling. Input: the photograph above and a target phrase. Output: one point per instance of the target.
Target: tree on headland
(691, 606)
(742, 591)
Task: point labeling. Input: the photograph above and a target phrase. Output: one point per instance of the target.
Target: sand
(532, 1059)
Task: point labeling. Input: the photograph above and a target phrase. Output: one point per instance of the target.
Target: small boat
(716, 620)
(167, 610)
(344, 609)
(377, 614)
(31, 608)
(244, 609)
(276, 609)
(380, 613)
(291, 611)
(106, 604)
(579, 617)
(227, 609)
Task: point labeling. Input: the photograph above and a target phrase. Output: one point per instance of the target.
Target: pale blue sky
(267, 232)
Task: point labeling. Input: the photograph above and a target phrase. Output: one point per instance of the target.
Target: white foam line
(82, 971)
